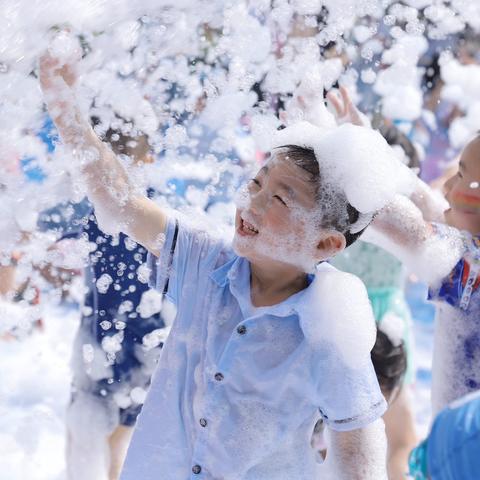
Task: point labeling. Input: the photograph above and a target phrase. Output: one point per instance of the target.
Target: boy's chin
(271, 256)
(240, 246)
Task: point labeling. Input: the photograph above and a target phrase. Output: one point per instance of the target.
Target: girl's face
(463, 191)
(276, 217)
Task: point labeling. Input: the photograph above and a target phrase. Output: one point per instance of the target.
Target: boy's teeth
(249, 227)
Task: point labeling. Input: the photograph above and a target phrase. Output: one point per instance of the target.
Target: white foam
(357, 160)
(103, 283)
(150, 303)
(351, 330)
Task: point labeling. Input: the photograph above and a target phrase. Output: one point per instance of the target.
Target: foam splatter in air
(207, 81)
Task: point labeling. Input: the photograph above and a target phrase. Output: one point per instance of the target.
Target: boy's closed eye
(277, 197)
(256, 183)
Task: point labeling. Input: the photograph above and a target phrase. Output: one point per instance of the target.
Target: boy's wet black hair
(389, 362)
(337, 213)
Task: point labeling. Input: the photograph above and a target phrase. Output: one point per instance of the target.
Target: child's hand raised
(345, 110)
(60, 60)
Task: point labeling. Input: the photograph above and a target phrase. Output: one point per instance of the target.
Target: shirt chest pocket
(263, 352)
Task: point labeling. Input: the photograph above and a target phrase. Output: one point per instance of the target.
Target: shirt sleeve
(463, 279)
(187, 257)
(350, 398)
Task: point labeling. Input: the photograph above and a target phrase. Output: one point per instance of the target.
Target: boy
(247, 369)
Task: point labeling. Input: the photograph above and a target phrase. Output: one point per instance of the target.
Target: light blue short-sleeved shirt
(238, 389)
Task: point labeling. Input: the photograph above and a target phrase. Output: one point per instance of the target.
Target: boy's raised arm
(109, 189)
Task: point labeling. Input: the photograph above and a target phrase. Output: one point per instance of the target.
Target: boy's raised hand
(60, 61)
(345, 110)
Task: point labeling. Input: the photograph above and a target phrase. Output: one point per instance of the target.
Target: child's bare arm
(357, 455)
(109, 189)
(428, 250)
(401, 436)
(400, 223)
(430, 202)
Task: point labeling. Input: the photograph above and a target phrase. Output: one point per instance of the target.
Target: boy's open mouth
(246, 228)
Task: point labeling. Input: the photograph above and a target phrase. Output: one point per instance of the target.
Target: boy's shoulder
(336, 311)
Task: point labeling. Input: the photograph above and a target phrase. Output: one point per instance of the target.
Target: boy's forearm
(357, 455)
(106, 179)
(118, 206)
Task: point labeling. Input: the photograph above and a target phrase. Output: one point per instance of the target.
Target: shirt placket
(217, 379)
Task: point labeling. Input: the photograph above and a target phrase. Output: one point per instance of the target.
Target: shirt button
(219, 377)
(203, 422)
(196, 469)
(242, 330)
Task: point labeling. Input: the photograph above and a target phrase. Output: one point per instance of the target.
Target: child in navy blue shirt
(119, 338)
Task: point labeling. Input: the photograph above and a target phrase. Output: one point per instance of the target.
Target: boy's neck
(275, 283)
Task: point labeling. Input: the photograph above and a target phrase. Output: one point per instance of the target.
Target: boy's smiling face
(277, 218)
(463, 191)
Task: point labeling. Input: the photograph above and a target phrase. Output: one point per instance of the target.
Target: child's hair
(336, 212)
(122, 138)
(394, 136)
(389, 361)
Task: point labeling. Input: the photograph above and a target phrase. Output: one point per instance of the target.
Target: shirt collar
(221, 275)
(236, 273)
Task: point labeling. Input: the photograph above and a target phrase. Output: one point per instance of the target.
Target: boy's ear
(331, 243)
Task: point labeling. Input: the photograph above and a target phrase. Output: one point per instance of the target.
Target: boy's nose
(257, 203)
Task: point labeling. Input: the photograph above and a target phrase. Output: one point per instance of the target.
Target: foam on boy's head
(332, 207)
(354, 160)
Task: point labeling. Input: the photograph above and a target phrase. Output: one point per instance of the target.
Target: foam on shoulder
(338, 310)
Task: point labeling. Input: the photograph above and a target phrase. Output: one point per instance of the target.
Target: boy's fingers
(346, 97)
(336, 103)
(301, 101)
(47, 60)
(47, 64)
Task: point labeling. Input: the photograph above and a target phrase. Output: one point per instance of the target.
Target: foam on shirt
(351, 329)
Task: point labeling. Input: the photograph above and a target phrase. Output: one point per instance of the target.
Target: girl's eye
(459, 174)
(255, 182)
(279, 199)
